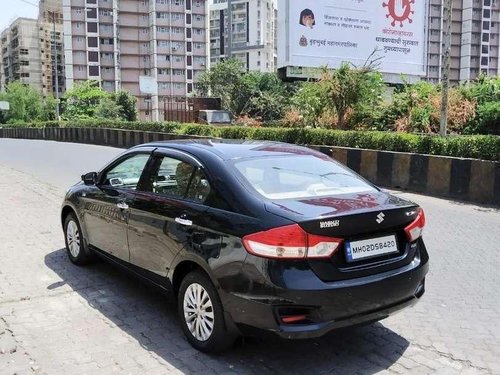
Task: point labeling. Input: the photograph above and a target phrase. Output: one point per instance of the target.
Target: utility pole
(445, 79)
(229, 51)
(54, 41)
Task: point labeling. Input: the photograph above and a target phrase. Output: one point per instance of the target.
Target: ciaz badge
(329, 224)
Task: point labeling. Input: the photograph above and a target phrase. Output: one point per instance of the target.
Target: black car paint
(254, 289)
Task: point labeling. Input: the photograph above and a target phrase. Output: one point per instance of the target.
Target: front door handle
(122, 206)
(183, 221)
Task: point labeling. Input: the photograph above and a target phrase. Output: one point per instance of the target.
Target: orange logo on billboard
(399, 11)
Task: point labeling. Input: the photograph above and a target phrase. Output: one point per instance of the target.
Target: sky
(11, 9)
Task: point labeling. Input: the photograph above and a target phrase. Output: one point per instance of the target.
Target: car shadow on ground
(148, 316)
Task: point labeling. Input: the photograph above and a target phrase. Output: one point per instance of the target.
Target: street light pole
(445, 79)
(54, 41)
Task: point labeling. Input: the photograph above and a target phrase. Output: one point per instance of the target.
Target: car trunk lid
(361, 220)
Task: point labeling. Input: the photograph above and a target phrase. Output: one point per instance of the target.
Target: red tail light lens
(415, 229)
(290, 242)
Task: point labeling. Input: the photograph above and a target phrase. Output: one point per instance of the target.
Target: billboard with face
(328, 32)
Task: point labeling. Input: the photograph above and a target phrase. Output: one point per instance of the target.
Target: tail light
(415, 229)
(290, 242)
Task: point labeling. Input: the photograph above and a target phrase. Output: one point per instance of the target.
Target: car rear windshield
(291, 177)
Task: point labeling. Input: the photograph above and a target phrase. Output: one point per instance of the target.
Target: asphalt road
(56, 318)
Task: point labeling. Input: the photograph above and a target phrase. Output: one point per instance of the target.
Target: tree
(108, 109)
(82, 100)
(127, 105)
(348, 87)
(311, 101)
(224, 80)
(264, 95)
(26, 104)
(242, 93)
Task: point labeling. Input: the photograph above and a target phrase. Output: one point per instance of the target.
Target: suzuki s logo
(380, 217)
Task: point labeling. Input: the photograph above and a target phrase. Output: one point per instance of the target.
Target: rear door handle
(183, 221)
(122, 206)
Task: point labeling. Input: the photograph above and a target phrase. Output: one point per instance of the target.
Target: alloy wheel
(198, 312)
(73, 238)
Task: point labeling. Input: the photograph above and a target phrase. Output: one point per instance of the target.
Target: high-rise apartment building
(123, 43)
(29, 53)
(475, 40)
(246, 30)
(50, 28)
(21, 58)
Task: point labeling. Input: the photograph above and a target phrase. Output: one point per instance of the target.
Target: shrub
(473, 146)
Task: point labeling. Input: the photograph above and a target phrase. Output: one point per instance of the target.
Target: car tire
(202, 315)
(76, 247)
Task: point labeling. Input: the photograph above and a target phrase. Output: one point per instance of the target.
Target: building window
(93, 56)
(23, 51)
(91, 1)
(188, 33)
(487, 3)
(486, 25)
(189, 87)
(92, 27)
(484, 49)
(484, 60)
(189, 60)
(188, 4)
(92, 13)
(179, 72)
(24, 63)
(189, 74)
(78, 10)
(486, 37)
(486, 13)
(189, 47)
(92, 41)
(105, 12)
(93, 71)
(161, 29)
(188, 19)
(107, 41)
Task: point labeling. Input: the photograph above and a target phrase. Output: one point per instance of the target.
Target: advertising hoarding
(327, 32)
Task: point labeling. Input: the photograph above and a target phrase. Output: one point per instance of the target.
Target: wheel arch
(184, 267)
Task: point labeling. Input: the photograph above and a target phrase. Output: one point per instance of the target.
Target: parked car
(214, 117)
(251, 235)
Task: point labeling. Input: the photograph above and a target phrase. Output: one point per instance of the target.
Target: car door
(163, 218)
(106, 211)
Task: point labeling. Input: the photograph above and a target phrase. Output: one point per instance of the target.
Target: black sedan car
(251, 235)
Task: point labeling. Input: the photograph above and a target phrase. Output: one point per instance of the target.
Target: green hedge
(485, 147)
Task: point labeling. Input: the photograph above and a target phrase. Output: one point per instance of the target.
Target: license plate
(372, 247)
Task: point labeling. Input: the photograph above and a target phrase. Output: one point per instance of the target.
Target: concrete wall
(464, 179)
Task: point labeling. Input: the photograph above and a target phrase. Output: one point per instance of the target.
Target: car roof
(233, 149)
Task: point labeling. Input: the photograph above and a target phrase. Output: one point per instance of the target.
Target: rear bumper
(327, 306)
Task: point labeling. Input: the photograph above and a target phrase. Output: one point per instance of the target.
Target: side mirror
(89, 178)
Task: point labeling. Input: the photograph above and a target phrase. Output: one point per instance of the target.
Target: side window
(126, 175)
(199, 187)
(172, 178)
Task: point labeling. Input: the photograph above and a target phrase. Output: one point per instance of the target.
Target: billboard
(328, 32)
